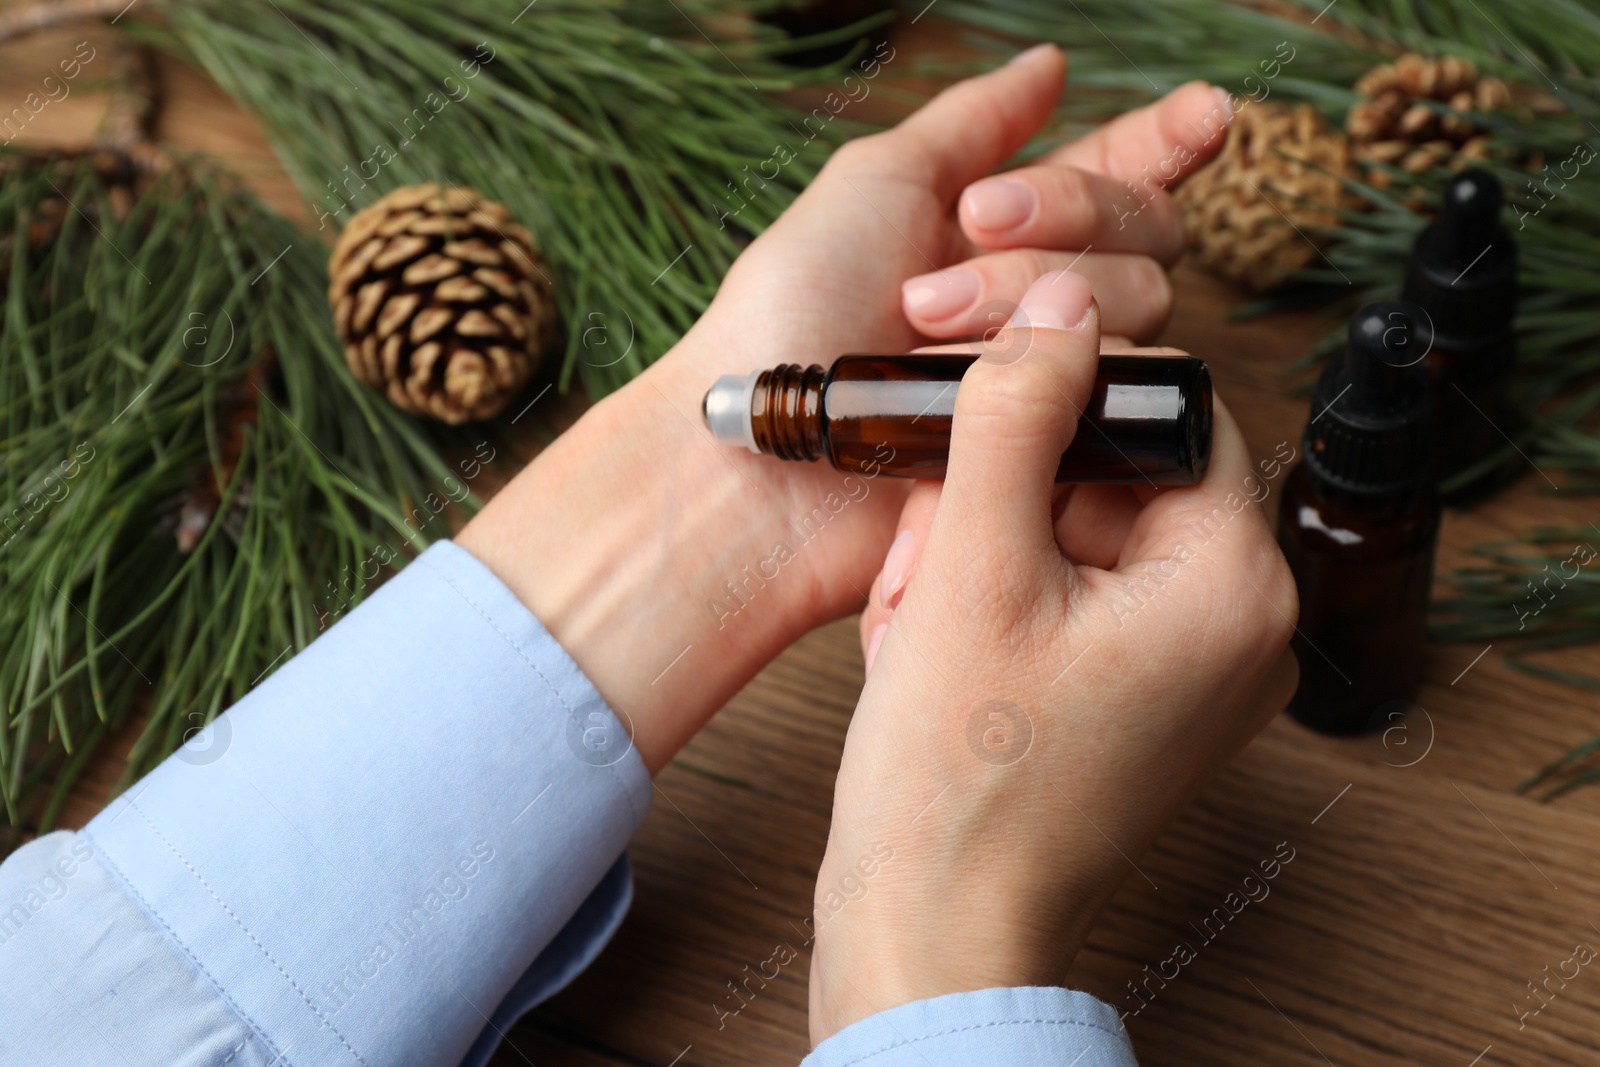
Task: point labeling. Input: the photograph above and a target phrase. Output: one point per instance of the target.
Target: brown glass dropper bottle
(1148, 420)
(1358, 521)
(1463, 275)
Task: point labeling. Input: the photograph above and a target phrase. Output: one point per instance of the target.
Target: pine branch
(1534, 594)
(135, 372)
(1530, 592)
(640, 153)
(1138, 48)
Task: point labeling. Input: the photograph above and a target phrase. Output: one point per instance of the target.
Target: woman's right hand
(1058, 670)
(668, 566)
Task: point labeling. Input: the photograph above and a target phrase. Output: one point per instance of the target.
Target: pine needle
(1538, 593)
(167, 358)
(1128, 51)
(1136, 49)
(639, 142)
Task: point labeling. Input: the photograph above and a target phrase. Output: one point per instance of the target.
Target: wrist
(947, 913)
(623, 538)
(861, 973)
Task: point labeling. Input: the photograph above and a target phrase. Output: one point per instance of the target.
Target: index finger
(975, 125)
(1165, 141)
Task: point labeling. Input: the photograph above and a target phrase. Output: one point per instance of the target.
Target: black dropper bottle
(1463, 275)
(1358, 521)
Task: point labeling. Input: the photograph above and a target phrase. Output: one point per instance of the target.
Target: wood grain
(1422, 897)
(1404, 931)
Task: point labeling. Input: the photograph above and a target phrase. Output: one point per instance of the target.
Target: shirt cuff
(366, 857)
(1034, 1025)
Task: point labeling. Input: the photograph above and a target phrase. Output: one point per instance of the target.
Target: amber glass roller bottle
(1147, 422)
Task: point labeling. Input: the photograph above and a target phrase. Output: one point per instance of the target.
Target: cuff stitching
(253, 940)
(238, 1010)
(611, 768)
(908, 1041)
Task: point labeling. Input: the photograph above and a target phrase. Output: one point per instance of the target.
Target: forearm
(392, 838)
(670, 568)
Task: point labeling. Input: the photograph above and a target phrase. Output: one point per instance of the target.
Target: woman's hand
(1053, 672)
(672, 569)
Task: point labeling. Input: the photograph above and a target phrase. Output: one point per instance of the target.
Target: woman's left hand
(672, 569)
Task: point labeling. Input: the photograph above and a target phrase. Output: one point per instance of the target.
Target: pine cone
(1393, 123)
(1251, 213)
(440, 301)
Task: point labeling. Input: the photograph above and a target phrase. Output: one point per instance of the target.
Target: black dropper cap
(1463, 268)
(1369, 429)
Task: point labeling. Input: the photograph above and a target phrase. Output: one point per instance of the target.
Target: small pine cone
(1492, 94)
(1418, 76)
(1415, 114)
(1419, 123)
(1252, 213)
(1454, 126)
(1414, 75)
(1454, 75)
(1379, 80)
(440, 301)
(1387, 151)
(1432, 154)
(1417, 101)
(1378, 118)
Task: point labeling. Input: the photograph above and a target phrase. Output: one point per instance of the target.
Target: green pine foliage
(168, 373)
(194, 485)
(1129, 51)
(1535, 594)
(1538, 593)
(1541, 590)
(1145, 47)
(640, 152)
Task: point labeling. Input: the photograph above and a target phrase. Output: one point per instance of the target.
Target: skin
(622, 535)
(1128, 698)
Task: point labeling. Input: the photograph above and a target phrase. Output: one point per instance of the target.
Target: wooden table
(1423, 897)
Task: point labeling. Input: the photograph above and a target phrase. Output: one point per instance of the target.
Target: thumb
(1016, 413)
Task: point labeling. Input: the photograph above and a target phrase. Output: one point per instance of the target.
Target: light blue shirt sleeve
(386, 852)
(1034, 1026)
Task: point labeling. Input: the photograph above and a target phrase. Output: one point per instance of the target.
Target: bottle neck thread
(786, 412)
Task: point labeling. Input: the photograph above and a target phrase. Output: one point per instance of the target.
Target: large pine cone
(440, 301)
(1392, 122)
(1251, 213)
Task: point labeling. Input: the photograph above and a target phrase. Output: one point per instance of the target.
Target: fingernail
(1224, 98)
(897, 567)
(1028, 55)
(1059, 300)
(873, 641)
(941, 295)
(999, 203)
